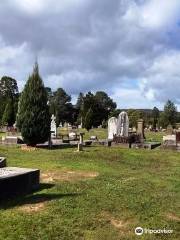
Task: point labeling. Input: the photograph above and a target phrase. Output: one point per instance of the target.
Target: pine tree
(88, 121)
(33, 119)
(170, 113)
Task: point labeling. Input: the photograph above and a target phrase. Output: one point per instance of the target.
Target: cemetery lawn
(101, 193)
(101, 133)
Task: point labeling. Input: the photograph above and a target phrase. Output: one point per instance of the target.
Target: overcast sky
(128, 48)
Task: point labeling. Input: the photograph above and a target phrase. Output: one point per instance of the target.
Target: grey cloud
(88, 45)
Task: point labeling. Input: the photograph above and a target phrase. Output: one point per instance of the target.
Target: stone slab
(15, 180)
(146, 145)
(2, 162)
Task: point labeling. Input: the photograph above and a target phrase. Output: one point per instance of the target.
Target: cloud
(129, 48)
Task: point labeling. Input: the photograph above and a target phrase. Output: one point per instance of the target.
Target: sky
(127, 48)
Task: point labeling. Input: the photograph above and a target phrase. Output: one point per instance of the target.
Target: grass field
(101, 133)
(101, 193)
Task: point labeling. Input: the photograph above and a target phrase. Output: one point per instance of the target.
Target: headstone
(53, 126)
(2, 162)
(140, 129)
(81, 138)
(112, 128)
(93, 138)
(177, 137)
(72, 136)
(169, 129)
(123, 125)
(80, 147)
(169, 140)
(15, 180)
(80, 144)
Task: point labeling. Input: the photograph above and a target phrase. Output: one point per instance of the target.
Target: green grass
(154, 136)
(101, 133)
(2, 134)
(135, 187)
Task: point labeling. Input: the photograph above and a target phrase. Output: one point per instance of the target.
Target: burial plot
(15, 180)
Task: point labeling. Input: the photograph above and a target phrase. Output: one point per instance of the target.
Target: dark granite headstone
(2, 162)
(18, 181)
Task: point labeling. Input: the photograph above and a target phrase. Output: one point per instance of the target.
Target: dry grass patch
(32, 208)
(123, 226)
(173, 217)
(53, 176)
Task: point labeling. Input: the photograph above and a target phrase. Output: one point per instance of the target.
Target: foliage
(33, 118)
(134, 116)
(61, 107)
(8, 98)
(88, 121)
(100, 104)
(170, 113)
(155, 115)
(9, 115)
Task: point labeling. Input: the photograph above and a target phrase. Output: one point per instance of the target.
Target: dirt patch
(53, 176)
(121, 225)
(173, 217)
(32, 208)
(24, 147)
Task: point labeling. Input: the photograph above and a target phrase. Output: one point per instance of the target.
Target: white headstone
(123, 125)
(53, 126)
(169, 140)
(112, 127)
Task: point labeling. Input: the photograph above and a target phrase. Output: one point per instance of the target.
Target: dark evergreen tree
(78, 108)
(9, 116)
(103, 106)
(155, 115)
(8, 99)
(33, 117)
(62, 107)
(170, 113)
(88, 121)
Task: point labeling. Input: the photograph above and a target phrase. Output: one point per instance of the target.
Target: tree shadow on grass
(34, 198)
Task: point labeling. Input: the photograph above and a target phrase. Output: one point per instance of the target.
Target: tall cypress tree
(33, 117)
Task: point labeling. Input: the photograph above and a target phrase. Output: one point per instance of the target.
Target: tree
(88, 103)
(170, 113)
(61, 104)
(8, 98)
(78, 108)
(8, 115)
(104, 105)
(155, 116)
(88, 121)
(33, 117)
(79, 103)
(8, 87)
(134, 115)
(101, 105)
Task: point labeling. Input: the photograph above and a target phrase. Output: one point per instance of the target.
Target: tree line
(90, 110)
